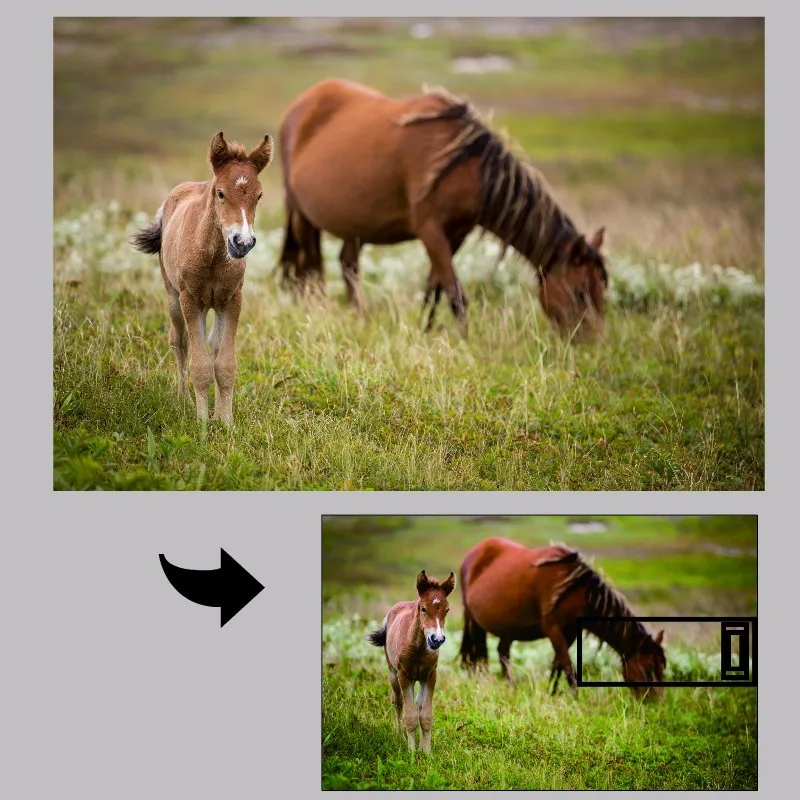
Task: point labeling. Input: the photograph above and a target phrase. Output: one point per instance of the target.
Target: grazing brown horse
(371, 169)
(202, 233)
(522, 595)
(411, 635)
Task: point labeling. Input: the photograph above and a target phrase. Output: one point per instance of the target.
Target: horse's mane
(602, 600)
(515, 203)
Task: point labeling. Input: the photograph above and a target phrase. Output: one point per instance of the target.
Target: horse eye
(423, 609)
(258, 198)
(220, 194)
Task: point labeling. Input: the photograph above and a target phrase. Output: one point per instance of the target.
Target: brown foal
(202, 233)
(411, 635)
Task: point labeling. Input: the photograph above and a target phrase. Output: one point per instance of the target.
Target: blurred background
(652, 127)
(664, 566)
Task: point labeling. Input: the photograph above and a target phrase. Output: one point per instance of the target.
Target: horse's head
(433, 607)
(646, 664)
(572, 291)
(237, 190)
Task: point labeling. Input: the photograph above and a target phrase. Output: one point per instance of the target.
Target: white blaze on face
(437, 631)
(247, 230)
(243, 229)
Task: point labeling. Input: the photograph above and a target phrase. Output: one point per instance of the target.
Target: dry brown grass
(711, 212)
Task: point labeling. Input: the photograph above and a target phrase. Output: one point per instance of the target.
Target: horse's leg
(556, 671)
(504, 651)
(570, 634)
(348, 258)
(214, 342)
(397, 698)
(225, 324)
(201, 365)
(561, 647)
(179, 339)
(434, 289)
(442, 274)
(426, 711)
(456, 239)
(410, 713)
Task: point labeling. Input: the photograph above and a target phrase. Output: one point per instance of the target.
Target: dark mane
(515, 202)
(601, 601)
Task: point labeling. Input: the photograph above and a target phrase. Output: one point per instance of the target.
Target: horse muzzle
(239, 246)
(435, 642)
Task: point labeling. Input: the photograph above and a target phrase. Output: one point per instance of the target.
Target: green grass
(648, 556)
(672, 399)
(487, 735)
(657, 133)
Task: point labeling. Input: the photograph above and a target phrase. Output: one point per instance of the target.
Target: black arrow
(231, 587)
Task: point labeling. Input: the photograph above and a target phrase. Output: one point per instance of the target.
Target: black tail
(378, 637)
(148, 240)
(290, 254)
(473, 642)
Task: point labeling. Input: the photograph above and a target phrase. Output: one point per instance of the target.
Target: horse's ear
(659, 638)
(218, 153)
(597, 239)
(449, 584)
(261, 156)
(577, 250)
(422, 583)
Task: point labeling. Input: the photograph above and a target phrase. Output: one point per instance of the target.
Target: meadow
(655, 131)
(487, 735)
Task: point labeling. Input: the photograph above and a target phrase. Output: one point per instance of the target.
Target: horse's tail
(378, 637)
(148, 240)
(473, 642)
(466, 640)
(290, 253)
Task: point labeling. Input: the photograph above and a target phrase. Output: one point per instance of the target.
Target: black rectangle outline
(741, 672)
(751, 683)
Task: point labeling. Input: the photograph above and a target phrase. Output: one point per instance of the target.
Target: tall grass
(671, 399)
(487, 735)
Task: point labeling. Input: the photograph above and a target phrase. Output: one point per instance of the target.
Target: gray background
(114, 686)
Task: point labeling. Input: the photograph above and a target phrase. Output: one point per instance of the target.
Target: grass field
(489, 736)
(653, 130)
